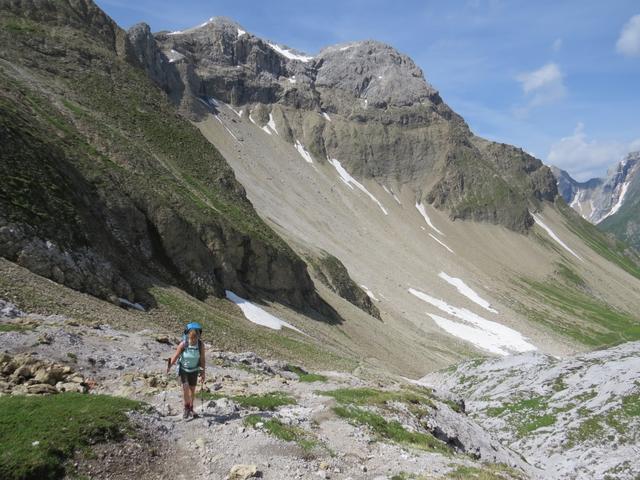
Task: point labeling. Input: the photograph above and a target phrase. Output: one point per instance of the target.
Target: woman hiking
(190, 358)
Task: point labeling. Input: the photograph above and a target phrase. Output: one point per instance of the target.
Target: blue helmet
(193, 326)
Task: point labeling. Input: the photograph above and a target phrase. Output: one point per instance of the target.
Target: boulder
(41, 389)
(243, 472)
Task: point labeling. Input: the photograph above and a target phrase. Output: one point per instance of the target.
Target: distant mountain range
(611, 202)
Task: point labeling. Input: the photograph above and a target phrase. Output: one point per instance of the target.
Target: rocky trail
(256, 418)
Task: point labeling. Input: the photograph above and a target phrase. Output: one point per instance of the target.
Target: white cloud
(542, 86)
(629, 41)
(584, 158)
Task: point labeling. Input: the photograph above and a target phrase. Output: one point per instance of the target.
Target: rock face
(600, 198)
(573, 418)
(362, 103)
(105, 188)
(335, 276)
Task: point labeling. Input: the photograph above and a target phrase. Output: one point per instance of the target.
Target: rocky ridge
(599, 198)
(575, 418)
(362, 103)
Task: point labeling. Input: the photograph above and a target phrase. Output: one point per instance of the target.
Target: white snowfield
(423, 212)
(616, 207)
(289, 54)
(350, 182)
(440, 242)
(272, 124)
(538, 220)
(241, 32)
(303, 152)
(369, 293)
(483, 333)
(467, 291)
(256, 315)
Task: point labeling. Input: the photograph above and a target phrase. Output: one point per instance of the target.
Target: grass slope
(38, 433)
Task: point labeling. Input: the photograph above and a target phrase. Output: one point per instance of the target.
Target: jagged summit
(600, 198)
(375, 72)
(213, 23)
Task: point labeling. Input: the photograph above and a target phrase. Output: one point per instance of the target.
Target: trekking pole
(202, 395)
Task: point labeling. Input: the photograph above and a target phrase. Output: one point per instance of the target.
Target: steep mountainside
(601, 198)
(364, 177)
(625, 222)
(363, 106)
(354, 154)
(105, 188)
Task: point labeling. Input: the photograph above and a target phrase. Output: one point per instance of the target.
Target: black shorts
(189, 377)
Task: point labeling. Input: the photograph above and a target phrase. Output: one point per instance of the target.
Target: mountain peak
(375, 72)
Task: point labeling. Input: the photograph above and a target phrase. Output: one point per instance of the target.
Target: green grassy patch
(265, 402)
(569, 275)
(582, 317)
(61, 424)
(284, 432)
(305, 376)
(525, 415)
(371, 396)
(13, 327)
(485, 472)
(391, 430)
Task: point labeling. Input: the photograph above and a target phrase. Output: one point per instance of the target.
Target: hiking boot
(185, 415)
(194, 414)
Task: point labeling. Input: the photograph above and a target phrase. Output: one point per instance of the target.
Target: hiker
(190, 358)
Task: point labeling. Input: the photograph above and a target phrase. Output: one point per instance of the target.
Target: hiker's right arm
(174, 359)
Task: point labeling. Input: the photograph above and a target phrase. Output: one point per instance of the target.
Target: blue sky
(557, 78)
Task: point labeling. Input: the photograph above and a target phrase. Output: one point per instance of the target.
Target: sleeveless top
(190, 359)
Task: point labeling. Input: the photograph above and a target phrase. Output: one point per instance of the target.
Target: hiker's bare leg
(193, 394)
(186, 391)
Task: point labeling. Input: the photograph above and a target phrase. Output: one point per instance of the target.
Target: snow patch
(483, 333)
(252, 120)
(266, 129)
(440, 242)
(616, 207)
(326, 116)
(272, 124)
(467, 291)
(289, 54)
(423, 212)
(551, 233)
(351, 182)
(304, 153)
(369, 293)
(174, 56)
(241, 32)
(257, 315)
(292, 79)
(226, 128)
(126, 303)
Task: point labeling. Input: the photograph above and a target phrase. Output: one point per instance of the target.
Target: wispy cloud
(629, 41)
(541, 87)
(585, 158)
